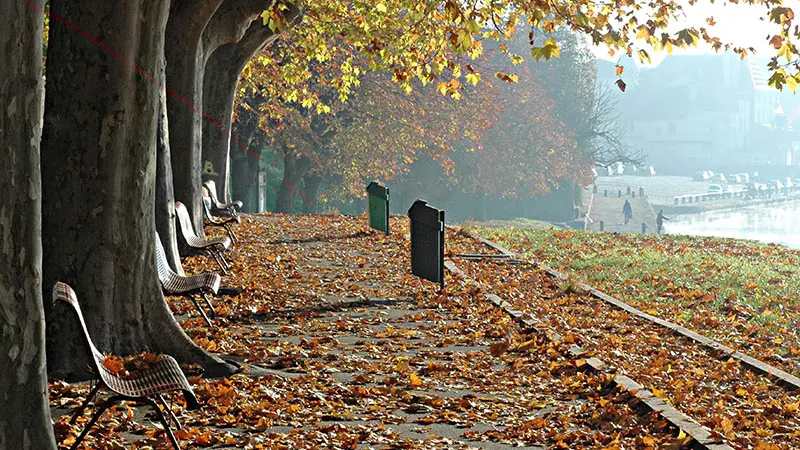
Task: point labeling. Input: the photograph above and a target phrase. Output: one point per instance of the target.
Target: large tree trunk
(98, 169)
(294, 168)
(190, 47)
(245, 168)
(25, 419)
(219, 88)
(241, 160)
(311, 183)
(185, 63)
(165, 194)
(245, 181)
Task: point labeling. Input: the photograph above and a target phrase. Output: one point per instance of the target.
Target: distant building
(695, 112)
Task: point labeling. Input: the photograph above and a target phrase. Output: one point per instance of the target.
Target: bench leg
(169, 410)
(214, 255)
(231, 233)
(163, 420)
(200, 310)
(210, 306)
(224, 262)
(100, 410)
(221, 254)
(85, 403)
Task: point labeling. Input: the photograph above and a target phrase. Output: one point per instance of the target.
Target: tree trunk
(311, 183)
(165, 195)
(243, 175)
(185, 63)
(25, 420)
(293, 171)
(222, 75)
(98, 170)
(245, 181)
(189, 48)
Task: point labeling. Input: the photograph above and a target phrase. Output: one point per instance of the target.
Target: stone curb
(781, 377)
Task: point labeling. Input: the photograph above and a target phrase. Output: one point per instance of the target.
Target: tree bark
(165, 194)
(219, 89)
(25, 421)
(245, 181)
(98, 171)
(187, 53)
(241, 161)
(294, 168)
(185, 63)
(311, 183)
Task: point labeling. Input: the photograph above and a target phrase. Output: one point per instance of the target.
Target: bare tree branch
(602, 136)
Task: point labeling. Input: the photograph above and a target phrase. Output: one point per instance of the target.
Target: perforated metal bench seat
(175, 284)
(215, 221)
(197, 245)
(144, 386)
(200, 243)
(193, 283)
(216, 205)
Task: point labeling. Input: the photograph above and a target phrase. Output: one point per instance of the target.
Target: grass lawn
(522, 223)
(741, 292)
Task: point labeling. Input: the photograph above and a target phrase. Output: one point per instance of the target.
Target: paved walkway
(609, 211)
(344, 348)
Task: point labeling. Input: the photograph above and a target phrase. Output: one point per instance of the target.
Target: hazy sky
(738, 24)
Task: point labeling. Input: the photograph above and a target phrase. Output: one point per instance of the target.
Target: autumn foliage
(528, 150)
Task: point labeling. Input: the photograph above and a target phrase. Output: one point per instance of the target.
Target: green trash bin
(378, 197)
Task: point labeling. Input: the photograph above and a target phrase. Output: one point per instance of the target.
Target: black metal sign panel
(427, 241)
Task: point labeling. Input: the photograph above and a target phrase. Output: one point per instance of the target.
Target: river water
(779, 224)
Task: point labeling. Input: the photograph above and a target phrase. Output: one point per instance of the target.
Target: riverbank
(661, 192)
(727, 204)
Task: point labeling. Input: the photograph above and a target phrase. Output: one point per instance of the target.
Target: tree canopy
(436, 41)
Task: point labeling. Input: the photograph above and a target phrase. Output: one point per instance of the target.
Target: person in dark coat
(627, 211)
(660, 220)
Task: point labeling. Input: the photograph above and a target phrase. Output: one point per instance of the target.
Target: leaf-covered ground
(748, 409)
(343, 348)
(743, 293)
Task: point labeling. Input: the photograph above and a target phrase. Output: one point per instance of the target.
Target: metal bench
(215, 221)
(197, 245)
(145, 386)
(189, 287)
(226, 209)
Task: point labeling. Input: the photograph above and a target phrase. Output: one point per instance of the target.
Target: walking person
(627, 211)
(660, 221)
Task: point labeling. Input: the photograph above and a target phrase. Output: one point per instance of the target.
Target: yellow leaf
(727, 426)
(791, 82)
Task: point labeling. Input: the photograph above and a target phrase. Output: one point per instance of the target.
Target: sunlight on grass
(740, 291)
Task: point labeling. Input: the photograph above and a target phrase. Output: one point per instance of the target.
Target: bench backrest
(211, 186)
(63, 292)
(165, 272)
(184, 220)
